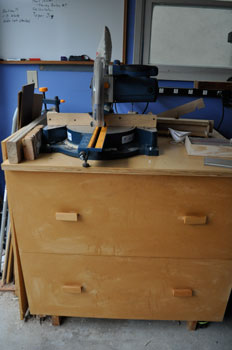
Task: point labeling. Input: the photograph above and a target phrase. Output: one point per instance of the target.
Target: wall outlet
(32, 77)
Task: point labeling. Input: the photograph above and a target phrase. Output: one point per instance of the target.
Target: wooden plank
(183, 109)
(210, 147)
(60, 119)
(19, 109)
(37, 105)
(26, 108)
(139, 120)
(14, 143)
(10, 265)
(4, 147)
(8, 245)
(32, 143)
(213, 85)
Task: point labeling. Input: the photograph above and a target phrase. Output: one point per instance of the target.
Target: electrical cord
(222, 116)
(145, 109)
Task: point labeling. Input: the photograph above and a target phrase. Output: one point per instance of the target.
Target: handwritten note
(13, 15)
(45, 9)
(38, 10)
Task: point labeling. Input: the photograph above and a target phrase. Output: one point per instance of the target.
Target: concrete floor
(98, 334)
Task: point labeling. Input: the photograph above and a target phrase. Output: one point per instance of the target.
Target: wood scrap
(26, 106)
(37, 106)
(10, 265)
(32, 143)
(208, 147)
(197, 127)
(14, 143)
(7, 250)
(183, 109)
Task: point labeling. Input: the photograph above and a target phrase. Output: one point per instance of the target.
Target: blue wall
(74, 88)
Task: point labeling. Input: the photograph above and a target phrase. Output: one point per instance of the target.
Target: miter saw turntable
(105, 135)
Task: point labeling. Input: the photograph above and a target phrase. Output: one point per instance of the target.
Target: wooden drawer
(122, 215)
(133, 288)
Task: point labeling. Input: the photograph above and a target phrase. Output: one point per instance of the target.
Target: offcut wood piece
(37, 105)
(139, 120)
(19, 109)
(200, 128)
(32, 143)
(215, 147)
(26, 107)
(183, 109)
(14, 143)
(8, 245)
(10, 265)
(213, 85)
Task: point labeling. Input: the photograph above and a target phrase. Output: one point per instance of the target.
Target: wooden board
(208, 147)
(37, 105)
(14, 143)
(32, 143)
(139, 120)
(183, 109)
(131, 288)
(26, 108)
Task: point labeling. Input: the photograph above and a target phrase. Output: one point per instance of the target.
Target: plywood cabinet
(124, 239)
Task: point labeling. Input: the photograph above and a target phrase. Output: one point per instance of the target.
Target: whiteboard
(49, 29)
(190, 36)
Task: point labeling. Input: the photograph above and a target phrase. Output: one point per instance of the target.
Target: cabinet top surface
(173, 160)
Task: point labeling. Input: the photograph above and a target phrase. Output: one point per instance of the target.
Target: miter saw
(110, 84)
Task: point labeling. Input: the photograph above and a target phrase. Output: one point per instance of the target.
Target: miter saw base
(120, 142)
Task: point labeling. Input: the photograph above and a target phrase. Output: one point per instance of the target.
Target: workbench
(136, 238)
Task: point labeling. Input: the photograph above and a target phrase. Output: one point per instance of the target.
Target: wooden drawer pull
(72, 289)
(195, 220)
(180, 292)
(67, 216)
